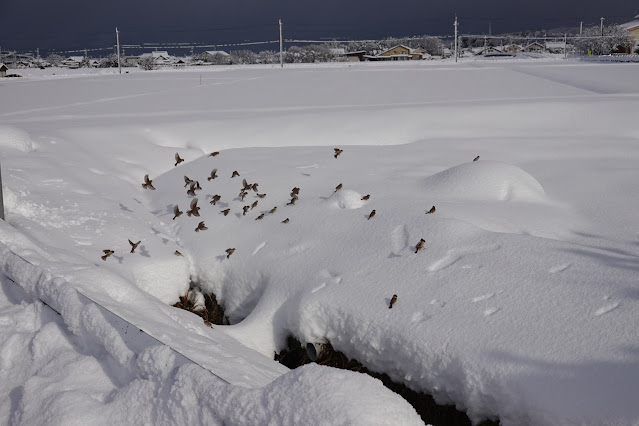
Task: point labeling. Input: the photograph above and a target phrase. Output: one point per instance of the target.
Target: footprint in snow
(418, 317)
(559, 268)
(483, 297)
(606, 308)
(399, 239)
(455, 255)
(439, 303)
(490, 311)
(318, 288)
(258, 248)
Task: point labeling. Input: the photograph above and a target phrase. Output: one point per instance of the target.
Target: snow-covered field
(522, 304)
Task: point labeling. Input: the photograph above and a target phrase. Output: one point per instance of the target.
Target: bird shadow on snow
(15, 396)
(120, 258)
(238, 215)
(144, 252)
(125, 208)
(220, 258)
(222, 204)
(393, 255)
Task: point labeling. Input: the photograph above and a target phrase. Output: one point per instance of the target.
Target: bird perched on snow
(420, 245)
(215, 199)
(177, 253)
(148, 183)
(393, 301)
(225, 211)
(245, 209)
(285, 220)
(371, 215)
(295, 191)
(107, 253)
(338, 187)
(253, 205)
(260, 217)
(229, 252)
(337, 152)
(176, 211)
(134, 245)
(201, 227)
(366, 197)
(213, 154)
(261, 195)
(191, 190)
(187, 181)
(432, 210)
(292, 202)
(213, 174)
(273, 210)
(476, 158)
(178, 160)
(195, 210)
(235, 173)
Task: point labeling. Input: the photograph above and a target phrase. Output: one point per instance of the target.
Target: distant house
(3, 70)
(492, 51)
(355, 56)
(159, 57)
(398, 53)
(534, 47)
(557, 47)
(512, 48)
(633, 29)
(73, 62)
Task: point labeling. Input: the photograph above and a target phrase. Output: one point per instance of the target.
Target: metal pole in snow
(1, 197)
(117, 36)
(281, 47)
(455, 37)
(565, 51)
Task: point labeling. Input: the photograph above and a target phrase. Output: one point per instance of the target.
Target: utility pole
(1, 198)
(38, 52)
(602, 19)
(455, 25)
(581, 27)
(490, 28)
(117, 37)
(565, 43)
(281, 47)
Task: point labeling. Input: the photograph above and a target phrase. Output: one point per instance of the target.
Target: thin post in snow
(455, 24)
(281, 46)
(117, 37)
(1, 196)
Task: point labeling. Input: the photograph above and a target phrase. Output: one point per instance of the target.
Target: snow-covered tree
(243, 57)
(54, 59)
(147, 63)
(614, 38)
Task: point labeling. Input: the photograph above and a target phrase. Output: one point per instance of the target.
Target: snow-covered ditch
(521, 304)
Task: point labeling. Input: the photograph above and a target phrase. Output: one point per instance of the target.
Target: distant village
(618, 39)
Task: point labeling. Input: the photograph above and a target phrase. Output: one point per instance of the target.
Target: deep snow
(522, 304)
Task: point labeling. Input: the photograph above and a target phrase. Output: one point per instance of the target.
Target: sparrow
(366, 197)
(213, 154)
(201, 227)
(187, 180)
(195, 210)
(245, 185)
(229, 252)
(178, 160)
(254, 186)
(371, 215)
(261, 195)
(177, 253)
(134, 245)
(107, 253)
(420, 245)
(292, 202)
(213, 174)
(338, 187)
(225, 211)
(197, 185)
(393, 301)
(273, 210)
(476, 158)
(285, 220)
(243, 194)
(260, 217)
(176, 211)
(148, 183)
(253, 205)
(235, 173)
(432, 210)
(337, 152)
(215, 199)
(295, 191)
(245, 209)
(191, 190)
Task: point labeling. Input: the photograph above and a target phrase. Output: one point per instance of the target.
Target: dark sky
(72, 24)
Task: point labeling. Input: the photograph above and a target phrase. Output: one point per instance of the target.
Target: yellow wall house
(399, 53)
(633, 28)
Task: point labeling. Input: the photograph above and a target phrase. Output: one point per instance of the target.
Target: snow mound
(486, 180)
(12, 137)
(347, 199)
(149, 276)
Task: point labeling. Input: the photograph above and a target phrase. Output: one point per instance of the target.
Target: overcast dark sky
(69, 24)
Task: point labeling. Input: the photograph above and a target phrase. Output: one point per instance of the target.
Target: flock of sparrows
(194, 186)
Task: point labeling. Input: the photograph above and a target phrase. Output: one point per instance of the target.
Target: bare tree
(147, 63)
(614, 39)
